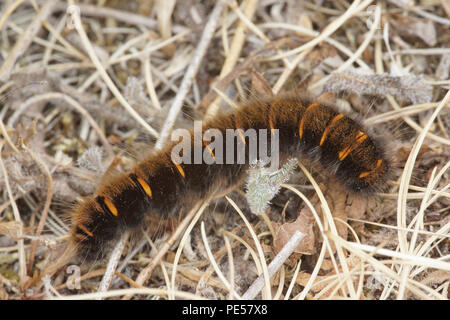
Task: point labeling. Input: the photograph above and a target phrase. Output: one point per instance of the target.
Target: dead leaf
(304, 224)
(303, 278)
(356, 206)
(322, 52)
(402, 153)
(414, 27)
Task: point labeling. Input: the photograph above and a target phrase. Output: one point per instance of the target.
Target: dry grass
(124, 74)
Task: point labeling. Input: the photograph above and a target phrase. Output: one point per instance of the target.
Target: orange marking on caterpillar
(359, 138)
(328, 128)
(302, 122)
(85, 230)
(180, 170)
(111, 207)
(366, 173)
(144, 186)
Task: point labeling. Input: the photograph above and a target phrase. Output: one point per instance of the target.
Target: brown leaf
(414, 27)
(322, 52)
(303, 278)
(402, 153)
(356, 206)
(327, 265)
(304, 224)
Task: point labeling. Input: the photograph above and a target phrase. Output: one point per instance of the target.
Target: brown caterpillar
(160, 187)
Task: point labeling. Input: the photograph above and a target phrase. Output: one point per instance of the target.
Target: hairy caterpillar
(159, 186)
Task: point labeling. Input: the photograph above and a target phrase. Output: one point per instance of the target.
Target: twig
(265, 272)
(222, 84)
(415, 125)
(431, 16)
(424, 52)
(91, 52)
(326, 246)
(20, 242)
(230, 263)
(164, 9)
(327, 31)
(405, 258)
(130, 292)
(149, 83)
(293, 281)
(131, 254)
(118, 56)
(6, 136)
(367, 39)
(405, 111)
(200, 51)
(312, 33)
(72, 102)
(214, 263)
(48, 200)
(42, 42)
(332, 226)
(234, 52)
(112, 263)
(378, 265)
(304, 49)
(404, 183)
(56, 34)
(145, 274)
(406, 6)
(276, 263)
(25, 40)
(119, 15)
(8, 11)
(183, 241)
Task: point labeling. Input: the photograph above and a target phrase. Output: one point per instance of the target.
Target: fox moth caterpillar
(160, 186)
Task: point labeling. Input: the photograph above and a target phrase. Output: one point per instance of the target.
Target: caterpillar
(162, 187)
